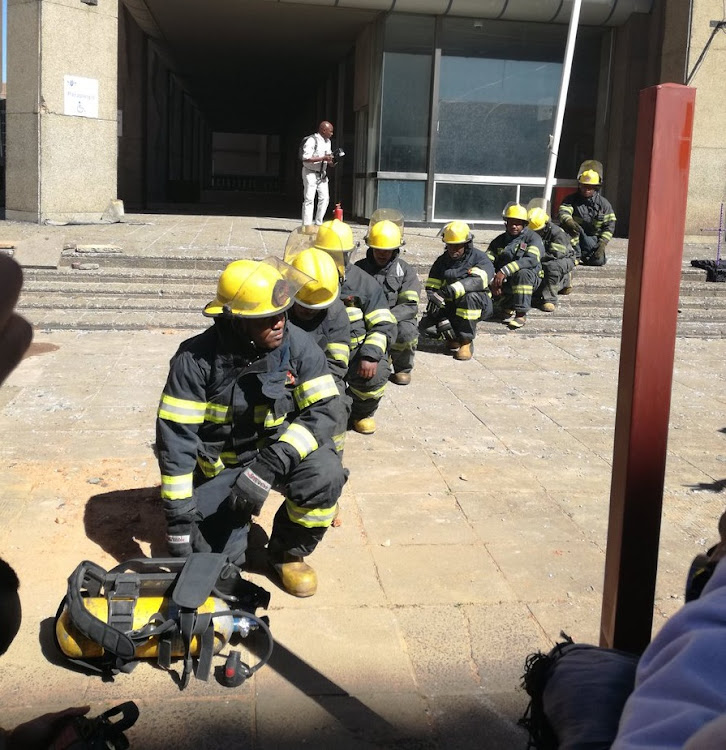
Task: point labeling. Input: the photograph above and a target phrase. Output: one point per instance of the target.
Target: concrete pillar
(62, 65)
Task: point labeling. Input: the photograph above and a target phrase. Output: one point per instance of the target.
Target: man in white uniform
(316, 156)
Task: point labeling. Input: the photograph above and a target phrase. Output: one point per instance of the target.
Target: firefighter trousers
(556, 277)
(366, 394)
(519, 288)
(404, 348)
(311, 491)
(463, 313)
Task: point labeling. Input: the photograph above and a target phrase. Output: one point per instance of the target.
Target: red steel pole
(650, 312)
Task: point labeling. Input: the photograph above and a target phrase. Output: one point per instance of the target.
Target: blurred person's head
(10, 611)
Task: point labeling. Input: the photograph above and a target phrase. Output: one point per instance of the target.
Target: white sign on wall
(80, 96)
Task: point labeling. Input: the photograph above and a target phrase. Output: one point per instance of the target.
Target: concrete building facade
(444, 107)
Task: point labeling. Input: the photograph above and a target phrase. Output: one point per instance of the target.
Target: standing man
(558, 260)
(458, 293)
(587, 216)
(400, 285)
(517, 257)
(372, 326)
(250, 404)
(316, 155)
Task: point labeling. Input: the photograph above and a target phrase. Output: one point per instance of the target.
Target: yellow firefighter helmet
(255, 289)
(324, 288)
(589, 177)
(336, 238)
(384, 235)
(514, 211)
(456, 233)
(537, 218)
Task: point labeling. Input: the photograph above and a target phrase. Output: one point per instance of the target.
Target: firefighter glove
(436, 302)
(445, 330)
(181, 533)
(570, 225)
(253, 485)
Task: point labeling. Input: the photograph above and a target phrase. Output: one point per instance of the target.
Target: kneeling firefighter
(249, 404)
(372, 326)
(458, 291)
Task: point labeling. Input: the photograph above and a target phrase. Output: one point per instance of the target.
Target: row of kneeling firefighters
(251, 404)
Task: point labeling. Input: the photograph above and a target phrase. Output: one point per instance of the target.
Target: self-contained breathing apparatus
(160, 608)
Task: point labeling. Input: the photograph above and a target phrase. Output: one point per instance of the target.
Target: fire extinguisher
(338, 212)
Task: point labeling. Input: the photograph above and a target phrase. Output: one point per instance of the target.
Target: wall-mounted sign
(80, 96)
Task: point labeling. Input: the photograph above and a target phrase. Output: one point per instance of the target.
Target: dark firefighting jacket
(224, 401)
(511, 254)
(595, 215)
(399, 282)
(472, 272)
(556, 243)
(372, 325)
(331, 330)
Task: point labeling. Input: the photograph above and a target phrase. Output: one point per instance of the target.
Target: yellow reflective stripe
(265, 416)
(382, 315)
(432, 283)
(354, 314)
(218, 413)
(210, 468)
(180, 410)
(375, 395)
(409, 296)
(458, 289)
(229, 458)
(533, 250)
(314, 390)
(402, 347)
(566, 208)
(338, 352)
(357, 340)
(511, 268)
(176, 488)
(300, 438)
(467, 314)
(377, 340)
(310, 517)
(481, 273)
(606, 236)
(521, 289)
(339, 442)
(609, 217)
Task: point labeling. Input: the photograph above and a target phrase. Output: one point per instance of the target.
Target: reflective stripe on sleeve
(210, 468)
(218, 413)
(458, 289)
(354, 314)
(300, 438)
(511, 268)
(311, 391)
(382, 315)
(481, 273)
(433, 283)
(377, 340)
(409, 296)
(176, 488)
(338, 352)
(310, 517)
(265, 416)
(180, 410)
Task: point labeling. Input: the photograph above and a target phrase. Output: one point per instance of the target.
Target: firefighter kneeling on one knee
(249, 405)
(457, 291)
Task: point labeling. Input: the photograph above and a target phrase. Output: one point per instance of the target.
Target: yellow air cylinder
(75, 645)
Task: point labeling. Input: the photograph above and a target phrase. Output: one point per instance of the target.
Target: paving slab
(473, 525)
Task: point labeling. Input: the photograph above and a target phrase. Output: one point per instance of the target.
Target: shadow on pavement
(117, 521)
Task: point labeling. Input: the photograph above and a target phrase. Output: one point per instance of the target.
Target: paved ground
(474, 528)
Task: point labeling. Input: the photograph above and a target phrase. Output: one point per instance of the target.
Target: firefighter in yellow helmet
(517, 257)
(400, 285)
(372, 326)
(319, 311)
(558, 261)
(587, 216)
(250, 405)
(457, 291)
